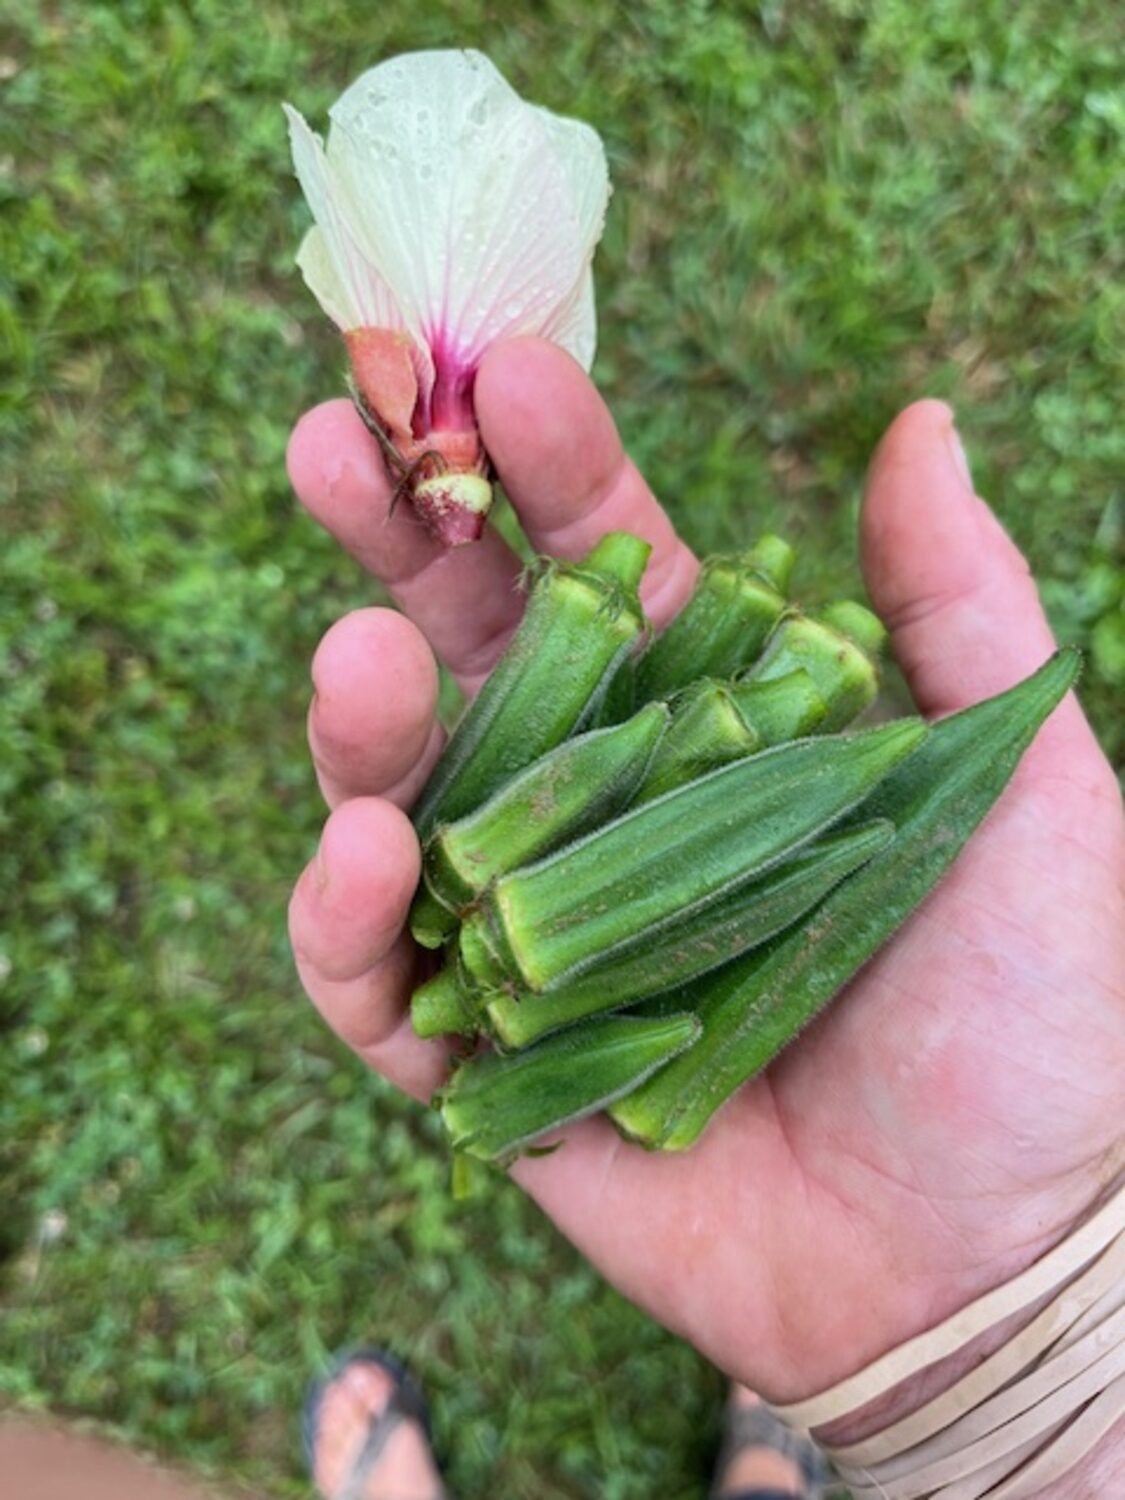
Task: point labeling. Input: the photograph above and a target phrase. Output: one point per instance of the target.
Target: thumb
(954, 590)
(949, 583)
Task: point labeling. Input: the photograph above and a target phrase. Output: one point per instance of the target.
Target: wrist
(1021, 1390)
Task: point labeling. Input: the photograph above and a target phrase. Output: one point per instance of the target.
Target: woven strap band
(1028, 1412)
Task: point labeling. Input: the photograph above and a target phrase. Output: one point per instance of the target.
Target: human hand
(951, 1115)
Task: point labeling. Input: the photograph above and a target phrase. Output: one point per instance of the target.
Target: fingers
(560, 458)
(372, 729)
(356, 960)
(563, 467)
(951, 586)
(465, 599)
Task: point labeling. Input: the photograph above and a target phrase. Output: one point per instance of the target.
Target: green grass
(822, 211)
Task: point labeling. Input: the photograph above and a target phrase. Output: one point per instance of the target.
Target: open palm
(956, 1110)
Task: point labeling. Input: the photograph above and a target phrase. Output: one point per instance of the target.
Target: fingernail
(959, 456)
(320, 870)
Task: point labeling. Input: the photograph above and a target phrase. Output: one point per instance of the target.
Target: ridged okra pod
(493, 1106)
(736, 603)
(573, 788)
(707, 730)
(581, 620)
(839, 649)
(548, 923)
(741, 920)
(716, 722)
(751, 1009)
(781, 708)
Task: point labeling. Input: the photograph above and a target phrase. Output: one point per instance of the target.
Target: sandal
(755, 1426)
(406, 1404)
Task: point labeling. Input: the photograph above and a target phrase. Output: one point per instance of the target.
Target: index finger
(558, 453)
(560, 459)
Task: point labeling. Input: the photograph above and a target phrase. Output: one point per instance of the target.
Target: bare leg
(44, 1460)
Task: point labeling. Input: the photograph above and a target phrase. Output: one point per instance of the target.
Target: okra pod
(835, 650)
(495, 1105)
(716, 722)
(573, 788)
(661, 861)
(753, 1008)
(743, 919)
(721, 628)
(580, 621)
(707, 730)
(781, 708)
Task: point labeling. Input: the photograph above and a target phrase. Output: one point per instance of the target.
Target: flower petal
(316, 265)
(574, 324)
(354, 286)
(480, 212)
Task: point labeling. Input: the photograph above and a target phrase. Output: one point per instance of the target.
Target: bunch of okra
(648, 862)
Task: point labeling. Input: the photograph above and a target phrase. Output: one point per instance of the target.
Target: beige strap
(957, 1456)
(1096, 1294)
(968, 1489)
(1068, 1450)
(897, 1365)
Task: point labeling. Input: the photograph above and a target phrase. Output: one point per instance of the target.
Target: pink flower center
(450, 404)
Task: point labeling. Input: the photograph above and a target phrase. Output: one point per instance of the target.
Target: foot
(759, 1454)
(348, 1412)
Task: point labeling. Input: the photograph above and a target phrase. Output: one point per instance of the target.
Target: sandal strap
(757, 1427)
(404, 1405)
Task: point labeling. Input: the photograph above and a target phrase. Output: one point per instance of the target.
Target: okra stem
(707, 730)
(442, 1006)
(772, 558)
(618, 556)
(846, 677)
(432, 922)
(722, 627)
(858, 623)
(753, 1008)
(781, 708)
